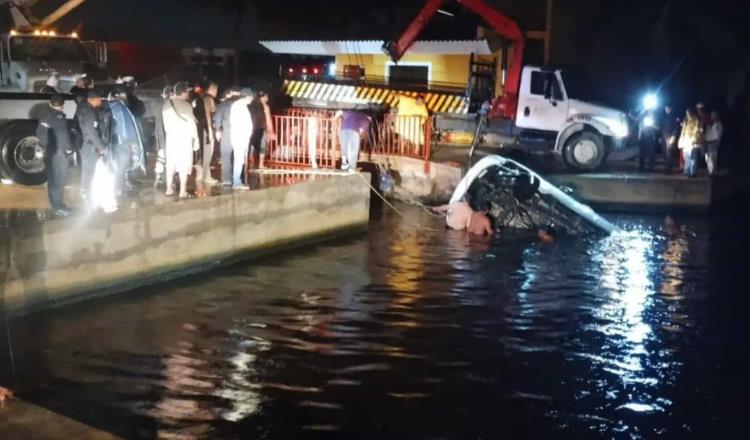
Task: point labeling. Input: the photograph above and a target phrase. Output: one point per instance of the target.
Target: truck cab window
(546, 84)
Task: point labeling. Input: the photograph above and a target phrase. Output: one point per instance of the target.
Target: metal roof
(367, 47)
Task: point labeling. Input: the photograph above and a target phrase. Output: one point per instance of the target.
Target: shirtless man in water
(460, 216)
(4, 395)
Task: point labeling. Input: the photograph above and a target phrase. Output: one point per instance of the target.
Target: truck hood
(595, 110)
(615, 120)
(47, 67)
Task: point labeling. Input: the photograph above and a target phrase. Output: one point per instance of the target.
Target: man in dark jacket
(223, 133)
(53, 132)
(670, 133)
(93, 145)
(126, 143)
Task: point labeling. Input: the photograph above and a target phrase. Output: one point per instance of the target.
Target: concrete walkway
(20, 420)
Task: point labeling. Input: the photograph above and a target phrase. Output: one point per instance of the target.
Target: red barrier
(304, 141)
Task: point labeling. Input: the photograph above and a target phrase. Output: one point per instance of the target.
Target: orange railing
(402, 136)
(310, 137)
(304, 141)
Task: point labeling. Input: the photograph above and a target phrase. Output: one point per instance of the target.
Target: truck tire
(22, 155)
(584, 151)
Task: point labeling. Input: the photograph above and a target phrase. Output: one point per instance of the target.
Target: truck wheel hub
(585, 151)
(29, 155)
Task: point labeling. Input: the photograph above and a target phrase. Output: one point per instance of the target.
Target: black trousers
(647, 152)
(57, 176)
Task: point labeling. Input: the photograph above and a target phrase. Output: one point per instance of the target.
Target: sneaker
(226, 184)
(241, 187)
(169, 193)
(210, 181)
(62, 212)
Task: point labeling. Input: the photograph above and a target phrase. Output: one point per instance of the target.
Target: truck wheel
(584, 151)
(22, 154)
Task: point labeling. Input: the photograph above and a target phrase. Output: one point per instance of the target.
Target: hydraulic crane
(504, 106)
(23, 18)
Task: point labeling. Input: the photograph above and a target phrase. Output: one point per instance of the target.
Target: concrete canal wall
(65, 260)
(432, 184)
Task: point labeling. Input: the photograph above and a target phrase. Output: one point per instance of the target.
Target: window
(353, 71)
(47, 49)
(408, 75)
(545, 84)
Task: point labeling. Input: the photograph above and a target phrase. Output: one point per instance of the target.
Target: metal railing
(310, 138)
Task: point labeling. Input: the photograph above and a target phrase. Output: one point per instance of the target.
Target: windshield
(47, 49)
(575, 85)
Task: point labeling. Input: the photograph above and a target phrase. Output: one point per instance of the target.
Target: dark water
(402, 333)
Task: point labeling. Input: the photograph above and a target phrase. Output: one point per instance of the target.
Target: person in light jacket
(241, 132)
(223, 133)
(181, 132)
(714, 132)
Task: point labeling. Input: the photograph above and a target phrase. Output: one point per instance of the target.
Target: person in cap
(53, 132)
(223, 130)
(262, 127)
(127, 142)
(92, 145)
(242, 129)
(181, 131)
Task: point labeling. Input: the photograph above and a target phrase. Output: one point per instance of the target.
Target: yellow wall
(452, 69)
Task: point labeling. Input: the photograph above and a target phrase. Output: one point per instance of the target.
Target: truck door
(542, 104)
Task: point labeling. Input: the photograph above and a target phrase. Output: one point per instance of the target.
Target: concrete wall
(432, 185)
(58, 261)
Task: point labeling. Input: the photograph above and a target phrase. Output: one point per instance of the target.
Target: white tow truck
(535, 111)
(28, 56)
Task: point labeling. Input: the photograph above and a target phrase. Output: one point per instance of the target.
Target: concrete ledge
(432, 184)
(65, 260)
(634, 190)
(22, 420)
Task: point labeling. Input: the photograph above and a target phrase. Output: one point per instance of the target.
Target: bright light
(291, 70)
(650, 101)
(648, 121)
(74, 35)
(52, 33)
(13, 33)
(37, 32)
(304, 70)
(45, 33)
(315, 71)
(6, 181)
(332, 69)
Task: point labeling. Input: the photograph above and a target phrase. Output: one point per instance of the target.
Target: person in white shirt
(181, 132)
(241, 123)
(714, 132)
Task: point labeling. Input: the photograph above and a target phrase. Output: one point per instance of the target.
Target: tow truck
(535, 111)
(28, 55)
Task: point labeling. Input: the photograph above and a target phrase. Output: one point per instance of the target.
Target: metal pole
(548, 33)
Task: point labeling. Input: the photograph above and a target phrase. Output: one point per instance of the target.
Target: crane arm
(500, 24)
(25, 18)
(61, 12)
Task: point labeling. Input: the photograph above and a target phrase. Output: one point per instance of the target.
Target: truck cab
(580, 132)
(28, 58)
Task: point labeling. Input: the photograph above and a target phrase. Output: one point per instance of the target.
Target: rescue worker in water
(54, 133)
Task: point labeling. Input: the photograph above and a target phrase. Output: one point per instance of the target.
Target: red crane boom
(504, 106)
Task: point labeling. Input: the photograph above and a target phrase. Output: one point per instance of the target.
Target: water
(407, 333)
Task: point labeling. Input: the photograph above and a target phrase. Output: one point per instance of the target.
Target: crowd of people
(685, 142)
(107, 137)
(108, 133)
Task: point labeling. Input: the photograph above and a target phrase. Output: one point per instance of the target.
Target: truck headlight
(650, 101)
(619, 128)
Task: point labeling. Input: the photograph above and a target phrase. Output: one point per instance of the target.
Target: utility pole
(548, 31)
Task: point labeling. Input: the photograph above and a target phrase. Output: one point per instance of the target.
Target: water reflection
(399, 333)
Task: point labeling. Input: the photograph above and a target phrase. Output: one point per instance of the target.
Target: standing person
(353, 125)
(670, 129)
(689, 141)
(241, 131)
(79, 90)
(53, 132)
(262, 127)
(648, 139)
(181, 130)
(126, 143)
(223, 130)
(714, 132)
(206, 129)
(161, 141)
(92, 144)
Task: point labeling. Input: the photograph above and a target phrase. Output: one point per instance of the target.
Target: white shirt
(714, 132)
(241, 123)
